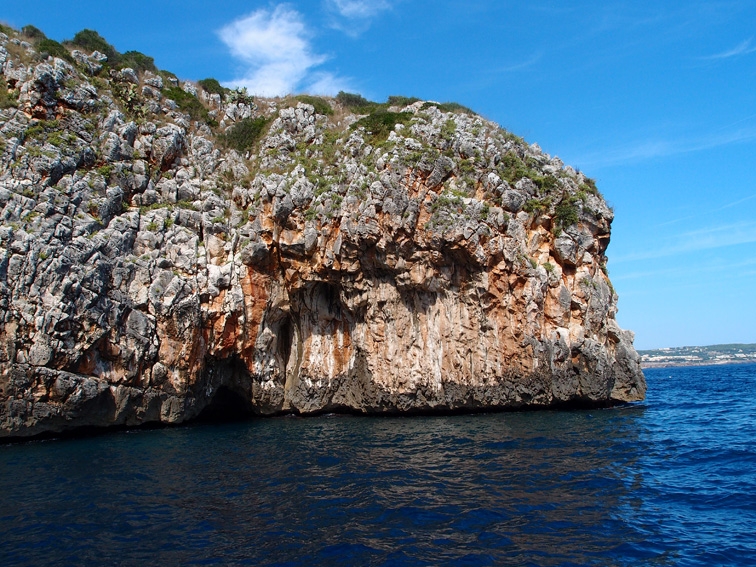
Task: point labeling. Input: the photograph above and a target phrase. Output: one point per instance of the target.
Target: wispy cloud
(353, 17)
(529, 62)
(653, 149)
(743, 48)
(358, 9)
(277, 57)
(685, 270)
(738, 202)
(709, 238)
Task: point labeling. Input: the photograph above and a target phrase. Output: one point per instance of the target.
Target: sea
(669, 481)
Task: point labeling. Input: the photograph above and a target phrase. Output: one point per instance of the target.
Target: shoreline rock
(407, 258)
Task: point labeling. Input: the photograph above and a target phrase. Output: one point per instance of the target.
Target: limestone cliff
(166, 250)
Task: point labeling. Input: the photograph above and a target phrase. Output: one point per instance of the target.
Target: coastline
(688, 363)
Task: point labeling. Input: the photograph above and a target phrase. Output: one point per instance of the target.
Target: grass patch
(243, 135)
(448, 107)
(8, 98)
(188, 103)
(54, 49)
(398, 100)
(356, 102)
(379, 124)
(537, 206)
(137, 61)
(589, 186)
(39, 128)
(90, 41)
(321, 106)
(212, 86)
(566, 212)
(33, 33)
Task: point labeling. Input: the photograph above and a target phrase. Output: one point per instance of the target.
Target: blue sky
(656, 100)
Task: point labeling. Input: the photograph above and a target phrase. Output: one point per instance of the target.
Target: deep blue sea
(670, 481)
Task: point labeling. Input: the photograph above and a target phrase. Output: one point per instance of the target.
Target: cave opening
(226, 405)
(285, 340)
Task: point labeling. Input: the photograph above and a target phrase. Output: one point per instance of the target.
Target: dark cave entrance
(285, 341)
(225, 406)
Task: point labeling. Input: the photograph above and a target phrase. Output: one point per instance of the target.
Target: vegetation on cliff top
(423, 133)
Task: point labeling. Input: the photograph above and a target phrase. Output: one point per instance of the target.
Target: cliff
(169, 248)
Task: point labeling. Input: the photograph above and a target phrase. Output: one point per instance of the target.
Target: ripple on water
(670, 481)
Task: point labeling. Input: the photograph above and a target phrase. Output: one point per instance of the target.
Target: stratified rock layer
(148, 274)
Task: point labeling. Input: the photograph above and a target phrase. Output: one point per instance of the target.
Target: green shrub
(212, 86)
(321, 106)
(380, 123)
(6, 30)
(54, 49)
(8, 99)
(448, 129)
(448, 107)
(187, 103)
(512, 168)
(137, 61)
(545, 182)
(33, 33)
(589, 186)
(243, 135)
(39, 128)
(356, 102)
(397, 100)
(167, 75)
(566, 212)
(90, 41)
(537, 206)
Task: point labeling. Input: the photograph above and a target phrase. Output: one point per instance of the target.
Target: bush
(54, 49)
(187, 103)
(137, 61)
(212, 86)
(589, 186)
(90, 41)
(321, 106)
(536, 206)
(448, 107)
(356, 102)
(379, 124)
(243, 135)
(7, 99)
(566, 212)
(395, 100)
(33, 33)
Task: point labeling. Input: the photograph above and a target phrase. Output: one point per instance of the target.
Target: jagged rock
(144, 266)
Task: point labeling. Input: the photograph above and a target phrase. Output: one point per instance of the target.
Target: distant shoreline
(712, 355)
(672, 364)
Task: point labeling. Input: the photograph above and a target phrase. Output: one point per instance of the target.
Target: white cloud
(353, 17)
(358, 9)
(743, 48)
(278, 58)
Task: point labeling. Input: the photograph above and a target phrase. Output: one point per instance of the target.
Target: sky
(656, 100)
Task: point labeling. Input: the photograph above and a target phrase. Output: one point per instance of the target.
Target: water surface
(671, 481)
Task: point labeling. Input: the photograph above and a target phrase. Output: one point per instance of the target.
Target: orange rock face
(148, 274)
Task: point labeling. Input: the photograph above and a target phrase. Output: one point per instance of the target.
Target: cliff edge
(170, 248)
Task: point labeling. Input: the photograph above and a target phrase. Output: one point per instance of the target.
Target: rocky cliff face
(372, 258)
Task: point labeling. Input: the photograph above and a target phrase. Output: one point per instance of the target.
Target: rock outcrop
(403, 257)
